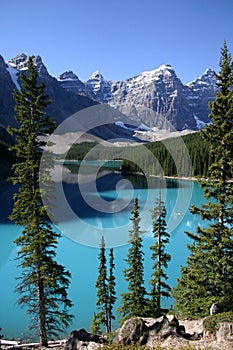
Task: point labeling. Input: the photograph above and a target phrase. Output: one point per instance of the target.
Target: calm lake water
(104, 211)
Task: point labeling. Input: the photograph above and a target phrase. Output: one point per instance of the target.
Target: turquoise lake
(105, 211)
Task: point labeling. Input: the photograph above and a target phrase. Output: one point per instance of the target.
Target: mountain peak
(68, 75)
(166, 67)
(207, 79)
(96, 75)
(19, 61)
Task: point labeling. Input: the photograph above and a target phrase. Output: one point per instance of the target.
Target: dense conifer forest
(191, 144)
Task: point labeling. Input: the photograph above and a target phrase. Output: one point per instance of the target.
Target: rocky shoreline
(165, 332)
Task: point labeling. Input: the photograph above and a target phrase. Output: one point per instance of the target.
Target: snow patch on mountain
(68, 76)
(141, 127)
(14, 74)
(152, 95)
(122, 125)
(199, 123)
(206, 81)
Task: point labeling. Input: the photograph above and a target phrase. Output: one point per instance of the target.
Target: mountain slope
(65, 102)
(149, 100)
(151, 95)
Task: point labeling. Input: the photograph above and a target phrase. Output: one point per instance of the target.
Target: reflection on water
(82, 260)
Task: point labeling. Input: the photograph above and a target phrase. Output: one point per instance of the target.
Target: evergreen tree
(159, 277)
(134, 302)
(95, 324)
(111, 289)
(105, 292)
(208, 277)
(43, 283)
(102, 317)
(1, 336)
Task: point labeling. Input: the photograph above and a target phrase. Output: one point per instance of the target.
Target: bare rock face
(159, 91)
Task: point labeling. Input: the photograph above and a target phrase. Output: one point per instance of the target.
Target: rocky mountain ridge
(64, 103)
(151, 94)
(149, 101)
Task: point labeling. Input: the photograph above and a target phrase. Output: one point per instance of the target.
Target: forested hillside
(190, 146)
(193, 146)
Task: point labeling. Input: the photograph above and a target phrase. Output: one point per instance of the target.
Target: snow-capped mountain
(152, 94)
(64, 93)
(64, 103)
(71, 82)
(150, 99)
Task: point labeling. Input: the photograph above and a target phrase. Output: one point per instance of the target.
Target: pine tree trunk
(42, 312)
(159, 267)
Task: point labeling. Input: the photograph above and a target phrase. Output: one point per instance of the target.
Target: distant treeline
(186, 156)
(181, 156)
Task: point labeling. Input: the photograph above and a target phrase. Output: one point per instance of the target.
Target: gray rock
(79, 340)
(147, 330)
(225, 332)
(157, 93)
(215, 309)
(133, 330)
(146, 98)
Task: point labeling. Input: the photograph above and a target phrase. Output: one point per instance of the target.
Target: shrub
(211, 323)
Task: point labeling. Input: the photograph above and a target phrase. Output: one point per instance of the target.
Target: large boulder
(132, 331)
(146, 330)
(82, 340)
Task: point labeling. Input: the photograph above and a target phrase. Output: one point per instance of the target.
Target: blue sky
(120, 38)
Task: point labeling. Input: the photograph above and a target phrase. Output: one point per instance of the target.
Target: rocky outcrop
(70, 81)
(80, 340)
(151, 331)
(225, 333)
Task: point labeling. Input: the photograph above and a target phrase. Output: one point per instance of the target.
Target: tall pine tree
(106, 294)
(43, 284)
(111, 290)
(102, 316)
(134, 302)
(208, 277)
(159, 277)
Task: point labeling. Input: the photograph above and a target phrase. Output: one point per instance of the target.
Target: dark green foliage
(208, 277)
(79, 151)
(211, 323)
(175, 164)
(43, 283)
(111, 290)
(106, 294)
(193, 147)
(159, 277)
(95, 324)
(134, 302)
(102, 317)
